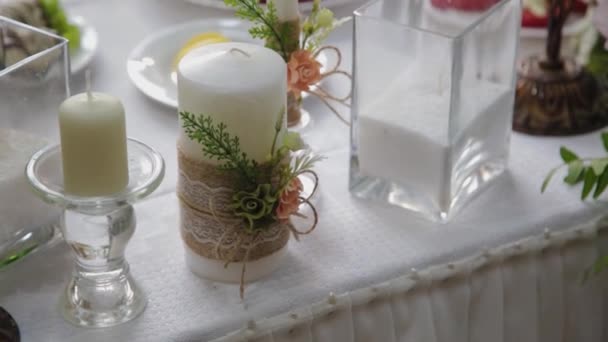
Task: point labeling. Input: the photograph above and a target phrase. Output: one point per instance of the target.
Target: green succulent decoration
(254, 206)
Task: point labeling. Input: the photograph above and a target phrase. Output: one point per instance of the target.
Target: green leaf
(50, 7)
(59, 22)
(217, 143)
(72, 34)
(548, 179)
(600, 264)
(605, 140)
(575, 169)
(265, 23)
(567, 155)
(293, 141)
(599, 165)
(589, 183)
(602, 183)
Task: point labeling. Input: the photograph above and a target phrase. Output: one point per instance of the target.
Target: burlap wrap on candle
(292, 43)
(294, 108)
(208, 225)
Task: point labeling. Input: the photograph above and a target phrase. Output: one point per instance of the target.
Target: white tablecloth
(357, 246)
(529, 290)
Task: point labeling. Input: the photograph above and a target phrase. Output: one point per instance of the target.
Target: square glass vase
(433, 97)
(34, 80)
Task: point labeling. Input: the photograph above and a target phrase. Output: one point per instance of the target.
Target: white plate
(80, 58)
(150, 63)
(304, 6)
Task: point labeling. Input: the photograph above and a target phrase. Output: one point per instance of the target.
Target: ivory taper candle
(93, 144)
(242, 85)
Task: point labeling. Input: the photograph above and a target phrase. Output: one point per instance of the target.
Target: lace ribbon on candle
(208, 224)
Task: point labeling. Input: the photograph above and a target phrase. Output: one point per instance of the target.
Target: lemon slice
(198, 41)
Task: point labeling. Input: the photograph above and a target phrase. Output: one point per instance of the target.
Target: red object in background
(528, 19)
(579, 6)
(464, 5)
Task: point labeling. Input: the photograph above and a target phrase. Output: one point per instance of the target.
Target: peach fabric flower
(303, 70)
(289, 201)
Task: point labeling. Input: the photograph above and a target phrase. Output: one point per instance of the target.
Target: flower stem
(277, 36)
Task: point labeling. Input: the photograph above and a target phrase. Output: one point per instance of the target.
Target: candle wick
(233, 50)
(87, 76)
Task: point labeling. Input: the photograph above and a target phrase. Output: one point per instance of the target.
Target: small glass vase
(32, 86)
(101, 292)
(433, 102)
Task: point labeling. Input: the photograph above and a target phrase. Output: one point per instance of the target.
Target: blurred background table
(357, 247)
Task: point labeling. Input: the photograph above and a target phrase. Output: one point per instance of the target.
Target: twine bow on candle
(250, 240)
(304, 75)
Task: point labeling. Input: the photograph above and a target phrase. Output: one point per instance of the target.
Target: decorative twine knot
(325, 96)
(254, 237)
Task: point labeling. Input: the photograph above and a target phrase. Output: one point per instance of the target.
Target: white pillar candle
(93, 144)
(287, 10)
(242, 85)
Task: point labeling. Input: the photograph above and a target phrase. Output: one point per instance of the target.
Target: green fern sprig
(217, 143)
(265, 22)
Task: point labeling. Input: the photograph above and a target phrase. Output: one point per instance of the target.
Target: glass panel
(33, 82)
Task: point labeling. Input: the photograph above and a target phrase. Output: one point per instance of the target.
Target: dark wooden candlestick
(559, 10)
(555, 95)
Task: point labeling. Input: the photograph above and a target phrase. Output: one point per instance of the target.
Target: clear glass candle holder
(433, 101)
(33, 83)
(102, 292)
